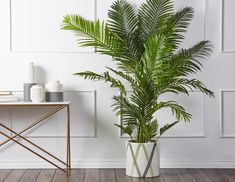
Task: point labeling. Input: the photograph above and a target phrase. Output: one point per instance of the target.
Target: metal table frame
(61, 105)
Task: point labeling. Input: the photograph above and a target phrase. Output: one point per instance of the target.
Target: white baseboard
(7, 164)
(115, 164)
(198, 164)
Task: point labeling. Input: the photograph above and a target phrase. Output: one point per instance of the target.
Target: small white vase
(142, 159)
(37, 93)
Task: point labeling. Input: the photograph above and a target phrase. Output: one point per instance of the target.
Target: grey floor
(117, 175)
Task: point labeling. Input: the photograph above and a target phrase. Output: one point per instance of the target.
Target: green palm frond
(93, 34)
(175, 88)
(183, 18)
(197, 85)
(122, 19)
(176, 109)
(155, 50)
(124, 22)
(167, 127)
(201, 50)
(127, 77)
(129, 112)
(181, 21)
(105, 77)
(127, 129)
(161, 43)
(184, 85)
(183, 63)
(152, 14)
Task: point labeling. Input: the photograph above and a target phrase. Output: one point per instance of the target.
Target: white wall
(30, 31)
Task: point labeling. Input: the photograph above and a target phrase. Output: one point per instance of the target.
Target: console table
(59, 107)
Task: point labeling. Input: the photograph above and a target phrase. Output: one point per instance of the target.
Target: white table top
(21, 103)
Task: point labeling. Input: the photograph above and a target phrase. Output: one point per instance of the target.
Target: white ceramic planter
(143, 159)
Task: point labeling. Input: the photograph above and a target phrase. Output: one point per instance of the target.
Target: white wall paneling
(227, 113)
(30, 31)
(35, 25)
(83, 117)
(227, 25)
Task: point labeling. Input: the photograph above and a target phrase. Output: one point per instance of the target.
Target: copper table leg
(68, 141)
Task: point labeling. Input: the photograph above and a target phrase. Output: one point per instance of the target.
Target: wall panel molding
(20, 42)
(222, 114)
(222, 29)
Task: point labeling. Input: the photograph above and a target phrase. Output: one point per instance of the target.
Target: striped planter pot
(143, 159)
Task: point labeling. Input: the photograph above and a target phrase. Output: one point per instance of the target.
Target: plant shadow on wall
(145, 45)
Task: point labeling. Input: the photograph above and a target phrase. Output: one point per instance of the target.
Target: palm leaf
(195, 84)
(124, 22)
(154, 50)
(93, 34)
(127, 77)
(152, 14)
(181, 21)
(176, 109)
(127, 110)
(168, 74)
(122, 19)
(126, 129)
(105, 77)
(167, 127)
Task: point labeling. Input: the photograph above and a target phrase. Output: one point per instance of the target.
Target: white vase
(142, 159)
(54, 91)
(37, 93)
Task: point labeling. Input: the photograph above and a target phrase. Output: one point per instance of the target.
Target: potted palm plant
(144, 44)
